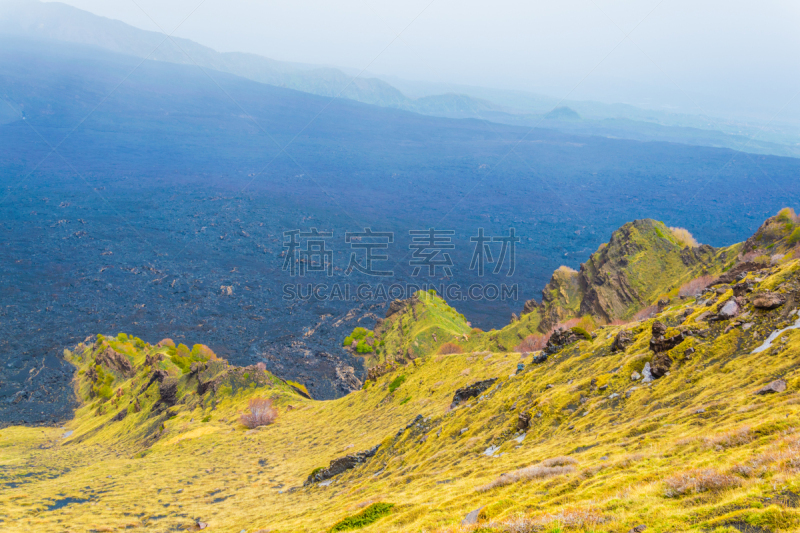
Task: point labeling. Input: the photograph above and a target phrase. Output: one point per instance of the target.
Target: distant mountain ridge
(61, 22)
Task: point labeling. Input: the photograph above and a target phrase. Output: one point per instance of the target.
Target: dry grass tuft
(556, 466)
(684, 237)
(699, 480)
(737, 437)
(450, 348)
(262, 413)
(570, 518)
(696, 286)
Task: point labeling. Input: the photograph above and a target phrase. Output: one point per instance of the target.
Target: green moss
(405, 400)
(396, 382)
(582, 333)
(371, 514)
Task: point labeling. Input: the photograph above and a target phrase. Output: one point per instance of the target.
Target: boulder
(778, 385)
(638, 529)
(660, 364)
(471, 391)
(728, 310)
(472, 518)
(623, 339)
(658, 329)
(539, 359)
(768, 300)
(647, 374)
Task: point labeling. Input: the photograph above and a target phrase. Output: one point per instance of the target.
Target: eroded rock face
(471, 391)
(341, 464)
(398, 306)
(523, 421)
(623, 339)
(115, 361)
(768, 300)
(168, 389)
(529, 306)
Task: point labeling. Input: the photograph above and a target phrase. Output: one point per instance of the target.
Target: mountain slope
(689, 423)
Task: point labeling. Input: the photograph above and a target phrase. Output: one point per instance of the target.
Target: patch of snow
(774, 335)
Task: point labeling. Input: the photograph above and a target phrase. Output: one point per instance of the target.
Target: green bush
(359, 333)
(580, 332)
(794, 238)
(396, 382)
(366, 517)
(348, 341)
(363, 347)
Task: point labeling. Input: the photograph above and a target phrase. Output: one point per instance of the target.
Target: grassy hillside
(663, 422)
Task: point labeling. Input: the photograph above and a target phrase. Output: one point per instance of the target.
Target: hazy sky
(695, 53)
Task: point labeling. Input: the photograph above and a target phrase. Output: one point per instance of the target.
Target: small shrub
(786, 215)
(366, 517)
(531, 343)
(450, 348)
(695, 287)
(405, 400)
(396, 382)
(684, 237)
(555, 466)
(262, 413)
(701, 480)
(794, 237)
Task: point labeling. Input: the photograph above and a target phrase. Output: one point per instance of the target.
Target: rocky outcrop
(660, 343)
(340, 465)
(768, 300)
(529, 307)
(559, 339)
(622, 340)
(523, 421)
(471, 391)
(157, 376)
(737, 271)
(641, 260)
(380, 370)
(400, 306)
(168, 390)
(115, 361)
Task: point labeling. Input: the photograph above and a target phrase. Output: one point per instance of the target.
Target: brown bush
(450, 348)
(531, 343)
(648, 312)
(700, 480)
(262, 413)
(696, 286)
